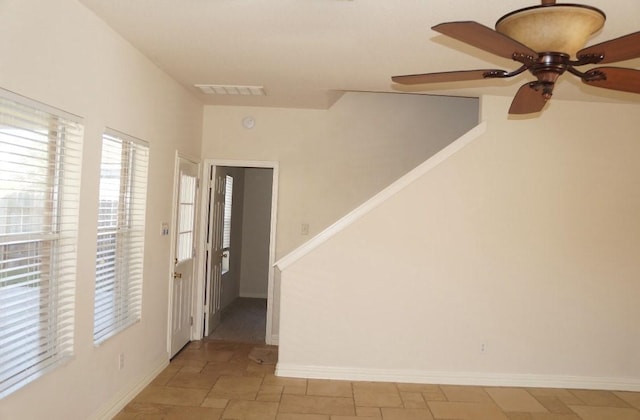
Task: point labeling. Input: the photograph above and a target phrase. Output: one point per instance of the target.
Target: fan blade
(615, 78)
(448, 76)
(485, 38)
(619, 49)
(528, 100)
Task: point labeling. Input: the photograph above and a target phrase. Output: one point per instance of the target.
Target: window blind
(40, 155)
(120, 250)
(228, 202)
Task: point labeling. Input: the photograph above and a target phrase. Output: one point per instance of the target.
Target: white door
(215, 252)
(184, 264)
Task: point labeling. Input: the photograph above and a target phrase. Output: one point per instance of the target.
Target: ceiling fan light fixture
(542, 39)
(553, 28)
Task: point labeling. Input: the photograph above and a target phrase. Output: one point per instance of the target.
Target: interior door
(184, 261)
(215, 252)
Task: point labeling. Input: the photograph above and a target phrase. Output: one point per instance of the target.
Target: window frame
(36, 333)
(185, 238)
(119, 261)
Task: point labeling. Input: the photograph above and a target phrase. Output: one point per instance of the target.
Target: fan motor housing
(549, 66)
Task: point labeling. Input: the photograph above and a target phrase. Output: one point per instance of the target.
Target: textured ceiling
(306, 52)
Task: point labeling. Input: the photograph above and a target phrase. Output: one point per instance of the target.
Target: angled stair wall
(511, 262)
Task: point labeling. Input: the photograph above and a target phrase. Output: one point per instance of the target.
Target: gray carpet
(244, 321)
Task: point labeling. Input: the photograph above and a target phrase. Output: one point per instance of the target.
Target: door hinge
(191, 320)
(197, 183)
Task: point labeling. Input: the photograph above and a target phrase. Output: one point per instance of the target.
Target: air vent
(231, 90)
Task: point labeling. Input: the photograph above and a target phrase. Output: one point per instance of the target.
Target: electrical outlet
(483, 347)
(121, 361)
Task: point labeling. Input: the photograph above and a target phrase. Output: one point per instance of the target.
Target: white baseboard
(275, 339)
(254, 295)
(110, 409)
(457, 378)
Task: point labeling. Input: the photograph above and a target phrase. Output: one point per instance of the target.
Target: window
(186, 220)
(40, 154)
(120, 252)
(226, 223)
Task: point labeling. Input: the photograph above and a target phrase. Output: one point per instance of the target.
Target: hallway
(243, 321)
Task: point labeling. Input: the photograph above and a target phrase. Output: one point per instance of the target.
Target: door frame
(201, 283)
(172, 229)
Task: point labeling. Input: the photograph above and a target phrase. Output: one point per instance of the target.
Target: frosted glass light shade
(562, 28)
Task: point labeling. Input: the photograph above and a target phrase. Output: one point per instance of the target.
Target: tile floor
(216, 380)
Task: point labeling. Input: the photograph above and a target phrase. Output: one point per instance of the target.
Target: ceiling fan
(547, 40)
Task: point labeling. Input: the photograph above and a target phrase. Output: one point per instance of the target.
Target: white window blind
(186, 217)
(40, 154)
(228, 202)
(120, 252)
(226, 223)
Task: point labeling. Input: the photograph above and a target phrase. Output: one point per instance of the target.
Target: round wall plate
(248, 122)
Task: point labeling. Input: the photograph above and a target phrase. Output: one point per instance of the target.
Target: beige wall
(256, 227)
(57, 52)
(526, 240)
(333, 160)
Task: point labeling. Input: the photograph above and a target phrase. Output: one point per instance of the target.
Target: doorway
(239, 234)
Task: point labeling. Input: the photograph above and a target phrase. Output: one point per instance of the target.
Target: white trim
(112, 407)
(199, 309)
(275, 340)
(457, 378)
(272, 254)
(382, 196)
(254, 295)
(111, 132)
(16, 97)
(242, 163)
